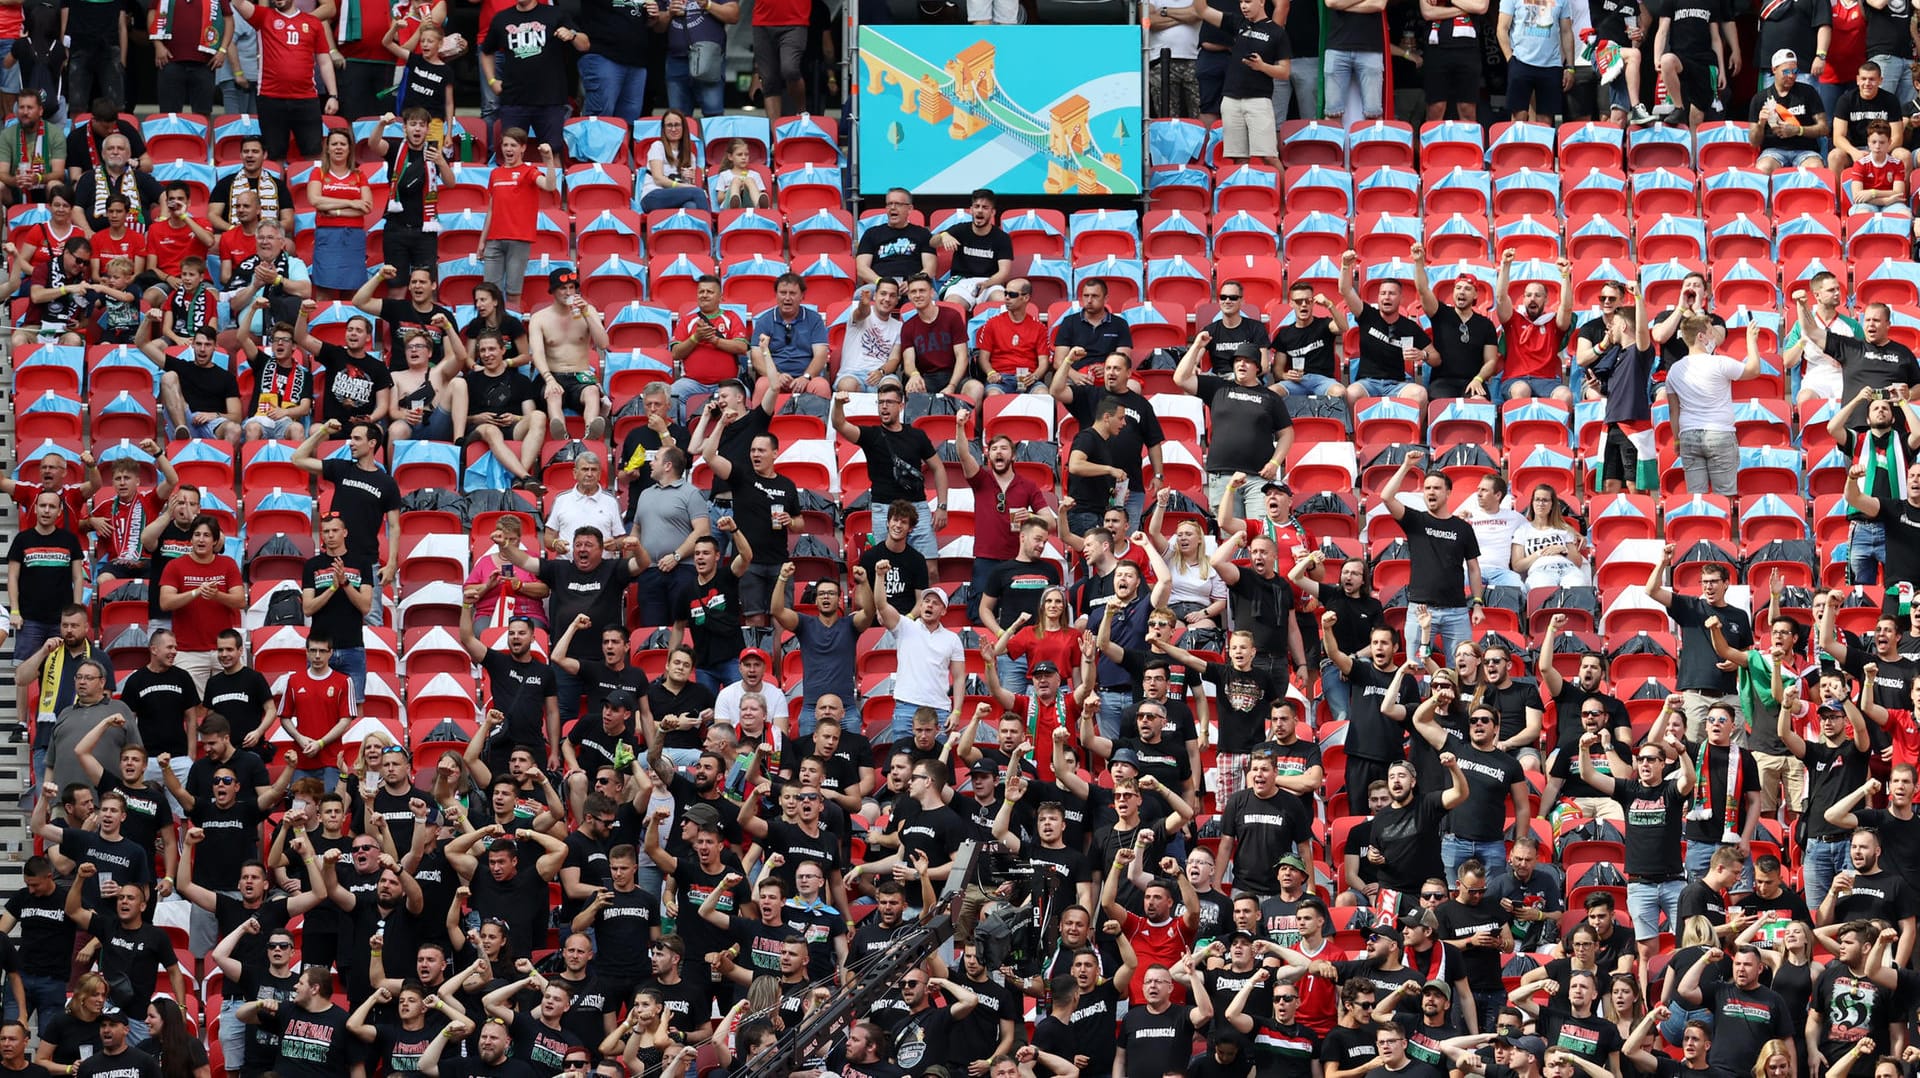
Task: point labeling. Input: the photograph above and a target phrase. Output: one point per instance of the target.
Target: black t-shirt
(617, 28)
(1382, 345)
(362, 497)
(1262, 39)
(1404, 835)
(1699, 664)
(1244, 700)
(1264, 607)
(1864, 365)
(1890, 29)
(130, 1063)
(896, 251)
(1225, 342)
(1693, 25)
(1880, 895)
(241, 698)
(1157, 1043)
(1858, 112)
(205, 389)
(1802, 103)
(1439, 551)
(1313, 348)
(1629, 373)
(1743, 1022)
(1264, 830)
(755, 497)
(895, 459)
(46, 935)
(509, 391)
(535, 68)
(1832, 774)
(663, 702)
(1654, 818)
(340, 621)
(1610, 19)
(45, 573)
(906, 575)
(712, 613)
(979, 256)
(1490, 778)
(131, 958)
(1902, 522)
(1459, 923)
(1462, 345)
(1356, 614)
(596, 592)
(1094, 492)
(172, 542)
(1246, 422)
(520, 901)
(148, 809)
(403, 319)
(1370, 734)
(233, 836)
(520, 692)
(1593, 1039)
(351, 383)
(1139, 432)
(1350, 32)
(1016, 588)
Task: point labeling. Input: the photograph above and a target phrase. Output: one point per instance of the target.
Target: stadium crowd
(1252, 796)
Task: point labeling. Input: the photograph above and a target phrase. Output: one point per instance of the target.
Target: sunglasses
(1011, 294)
(576, 1064)
(225, 780)
(1224, 297)
(1433, 896)
(365, 849)
(279, 946)
(1286, 999)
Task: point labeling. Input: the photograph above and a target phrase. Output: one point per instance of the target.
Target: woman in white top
(1197, 595)
(1700, 406)
(671, 179)
(1546, 547)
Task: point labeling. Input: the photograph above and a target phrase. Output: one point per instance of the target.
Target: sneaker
(557, 428)
(1640, 116)
(181, 433)
(596, 429)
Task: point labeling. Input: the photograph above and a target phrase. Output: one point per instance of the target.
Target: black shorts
(1696, 83)
(408, 249)
(1452, 75)
(1619, 460)
(573, 389)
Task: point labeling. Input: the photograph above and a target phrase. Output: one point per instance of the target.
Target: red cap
(757, 653)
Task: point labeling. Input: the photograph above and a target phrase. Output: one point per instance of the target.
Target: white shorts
(967, 290)
(1247, 128)
(1822, 380)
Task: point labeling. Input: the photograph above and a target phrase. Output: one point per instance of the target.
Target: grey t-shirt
(665, 516)
(63, 764)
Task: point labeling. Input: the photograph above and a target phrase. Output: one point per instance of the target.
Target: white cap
(1784, 56)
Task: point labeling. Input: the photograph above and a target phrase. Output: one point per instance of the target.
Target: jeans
(1711, 459)
(1866, 549)
(656, 593)
(1896, 74)
(610, 88)
(185, 86)
(234, 100)
(1821, 861)
(1343, 71)
(1451, 625)
(179, 765)
(1500, 576)
(682, 90)
(329, 776)
(1647, 901)
(850, 722)
(1674, 1029)
(137, 1031)
(1309, 385)
(685, 197)
(1700, 855)
(490, 101)
(1455, 850)
(683, 389)
(233, 1032)
(719, 677)
(30, 635)
(1557, 573)
(682, 759)
(1304, 85)
(1113, 707)
(544, 123)
(1335, 690)
(353, 663)
(1013, 673)
(1253, 504)
(900, 728)
(1081, 521)
(983, 569)
(47, 996)
(922, 538)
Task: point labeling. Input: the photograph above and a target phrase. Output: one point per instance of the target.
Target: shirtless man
(566, 339)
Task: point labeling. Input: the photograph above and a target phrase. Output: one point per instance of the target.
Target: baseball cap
(756, 653)
(1439, 986)
(621, 698)
(1533, 1046)
(1044, 666)
(1420, 919)
(1124, 756)
(563, 276)
(983, 766)
(1784, 56)
(1467, 278)
(1385, 932)
(701, 814)
(1237, 935)
(1280, 485)
(1293, 861)
(111, 1013)
(936, 593)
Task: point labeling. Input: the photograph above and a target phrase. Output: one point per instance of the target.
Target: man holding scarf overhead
(191, 39)
(418, 167)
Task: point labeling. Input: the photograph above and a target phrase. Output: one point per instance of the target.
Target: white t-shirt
(924, 675)
(1193, 583)
(1494, 531)
(1183, 38)
(573, 510)
(658, 152)
(1532, 539)
(1704, 387)
(726, 706)
(869, 344)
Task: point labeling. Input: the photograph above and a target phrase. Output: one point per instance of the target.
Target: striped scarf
(1730, 809)
(128, 185)
(51, 674)
(211, 31)
(1885, 457)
